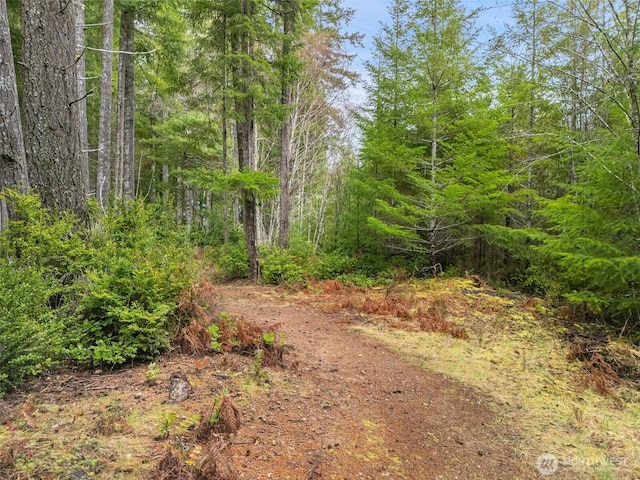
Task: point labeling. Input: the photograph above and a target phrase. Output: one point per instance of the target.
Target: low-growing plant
(166, 421)
(259, 375)
(282, 267)
(214, 330)
(153, 372)
(30, 334)
(330, 265)
(231, 261)
(141, 263)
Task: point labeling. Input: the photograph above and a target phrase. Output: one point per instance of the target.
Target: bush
(106, 294)
(30, 335)
(333, 264)
(140, 264)
(54, 244)
(280, 266)
(231, 261)
(41, 254)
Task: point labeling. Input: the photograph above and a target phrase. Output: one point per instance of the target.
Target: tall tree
(50, 105)
(82, 90)
(289, 13)
(242, 45)
(103, 180)
(424, 87)
(592, 231)
(125, 134)
(13, 165)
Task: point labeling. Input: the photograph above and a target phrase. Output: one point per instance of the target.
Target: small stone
(179, 387)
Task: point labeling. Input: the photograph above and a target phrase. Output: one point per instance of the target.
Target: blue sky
(370, 13)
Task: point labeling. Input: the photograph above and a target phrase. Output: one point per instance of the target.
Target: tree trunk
(13, 165)
(225, 133)
(82, 92)
(50, 101)
(103, 178)
(246, 134)
(166, 192)
(288, 18)
(125, 171)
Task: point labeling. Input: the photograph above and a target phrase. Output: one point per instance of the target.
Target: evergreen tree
(50, 106)
(426, 89)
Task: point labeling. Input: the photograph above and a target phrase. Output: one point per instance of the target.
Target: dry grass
(399, 307)
(521, 359)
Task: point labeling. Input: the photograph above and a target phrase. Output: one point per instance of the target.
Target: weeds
(153, 372)
(204, 456)
(426, 314)
(210, 331)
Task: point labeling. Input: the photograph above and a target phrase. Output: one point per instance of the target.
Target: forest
(135, 132)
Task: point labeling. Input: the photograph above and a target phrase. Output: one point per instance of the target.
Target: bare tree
(13, 165)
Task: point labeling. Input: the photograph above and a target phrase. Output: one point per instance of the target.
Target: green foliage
(216, 334)
(592, 238)
(30, 334)
(41, 254)
(39, 238)
(153, 372)
(330, 265)
(284, 266)
(231, 261)
(140, 264)
(259, 184)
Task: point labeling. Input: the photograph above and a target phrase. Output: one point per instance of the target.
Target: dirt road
(348, 408)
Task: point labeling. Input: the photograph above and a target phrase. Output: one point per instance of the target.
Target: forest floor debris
(364, 389)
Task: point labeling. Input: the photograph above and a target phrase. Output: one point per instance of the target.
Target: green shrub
(280, 266)
(30, 334)
(141, 262)
(332, 264)
(41, 256)
(231, 261)
(105, 294)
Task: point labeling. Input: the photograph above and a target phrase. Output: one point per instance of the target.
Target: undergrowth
(103, 294)
(208, 330)
(427, 314)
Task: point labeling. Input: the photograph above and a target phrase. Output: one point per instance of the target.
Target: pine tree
(50, 106)
(425, 86)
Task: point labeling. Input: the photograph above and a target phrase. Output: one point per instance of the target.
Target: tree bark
(225, 132)
(50, 105)
(246, 133)
(13, 165)
(82, 92)
(288, 19)
(103, 178)
(125, 181)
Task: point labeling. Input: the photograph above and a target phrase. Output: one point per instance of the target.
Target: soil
(342, 407)
(353, 409)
